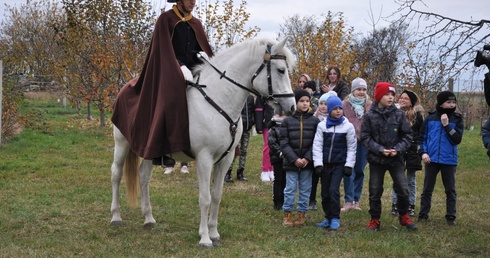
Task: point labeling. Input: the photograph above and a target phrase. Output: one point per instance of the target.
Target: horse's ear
(280, 45)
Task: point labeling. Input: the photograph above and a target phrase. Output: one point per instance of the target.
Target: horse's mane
(255, 47)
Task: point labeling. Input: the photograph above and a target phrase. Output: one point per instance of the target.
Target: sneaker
(271, 175)
(451, 220)
(394, 210)
(356, 206)
(347, 206)
(373, 225)
(335, 224)
(265, 177)
(168, 170)
(407, 222)
(423, 217)
(323, 224)
(301, 220)
(288, 219)
(278, 206)
(228, 178)
(312, 206)
(411, 210)
(184, 170)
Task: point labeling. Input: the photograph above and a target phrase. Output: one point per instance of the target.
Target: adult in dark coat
(335, 83)
(151, 110)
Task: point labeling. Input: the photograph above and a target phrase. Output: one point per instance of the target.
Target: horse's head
(271, 79)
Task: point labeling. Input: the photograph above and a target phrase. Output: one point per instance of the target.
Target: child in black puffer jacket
(275, 154)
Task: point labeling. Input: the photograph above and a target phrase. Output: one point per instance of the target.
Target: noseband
(267, 61)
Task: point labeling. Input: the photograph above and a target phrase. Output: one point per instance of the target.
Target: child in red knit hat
(387, 135)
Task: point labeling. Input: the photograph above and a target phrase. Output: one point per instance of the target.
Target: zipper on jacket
(301, 135)
(331, 146)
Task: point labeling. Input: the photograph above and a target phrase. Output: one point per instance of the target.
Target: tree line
(92, 48)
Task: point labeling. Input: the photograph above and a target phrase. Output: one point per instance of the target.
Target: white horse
(256, 66)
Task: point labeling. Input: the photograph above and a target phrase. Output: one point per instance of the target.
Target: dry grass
(56, 193)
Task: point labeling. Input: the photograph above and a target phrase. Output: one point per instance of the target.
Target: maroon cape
(151, 110)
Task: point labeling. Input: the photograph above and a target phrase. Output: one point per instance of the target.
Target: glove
(347, 171)
(319, 170)
(203, 55)
(187, 73)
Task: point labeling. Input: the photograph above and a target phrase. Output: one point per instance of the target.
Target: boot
(288, 219)
(239, 175)
(228, 178)
(300, 221)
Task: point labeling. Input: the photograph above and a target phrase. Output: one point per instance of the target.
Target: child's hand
(426, 158)
(444, 120)
(393, 152)
(386, 152)
(301, 163)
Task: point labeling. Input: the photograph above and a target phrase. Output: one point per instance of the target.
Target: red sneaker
(407, 222)
(373, 225)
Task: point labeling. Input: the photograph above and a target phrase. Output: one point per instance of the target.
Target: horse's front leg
(216, 194)
(145, 173)
(204, 167)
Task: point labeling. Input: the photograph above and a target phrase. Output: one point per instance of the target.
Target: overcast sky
(269, 14)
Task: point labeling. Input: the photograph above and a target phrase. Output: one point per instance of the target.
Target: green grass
(55, 195)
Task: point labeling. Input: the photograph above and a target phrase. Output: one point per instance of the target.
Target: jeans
(266, 159)
(376, 181)
(412, 188)
(331, 178)
(353, 183)
(448, 174)
(295, 180)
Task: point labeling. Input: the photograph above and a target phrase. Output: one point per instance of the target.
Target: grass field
(55, 195)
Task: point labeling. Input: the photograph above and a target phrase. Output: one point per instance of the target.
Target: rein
(234, 125)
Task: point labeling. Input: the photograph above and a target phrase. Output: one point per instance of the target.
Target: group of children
(337, 140)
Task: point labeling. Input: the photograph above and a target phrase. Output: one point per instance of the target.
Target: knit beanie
(333, 102)
(327, 95)
(381, 89)
(298, 94)
(311, 85)
(358, 83)
(412, 96)
(443, 97)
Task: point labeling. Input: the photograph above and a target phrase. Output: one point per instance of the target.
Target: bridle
(271, 96)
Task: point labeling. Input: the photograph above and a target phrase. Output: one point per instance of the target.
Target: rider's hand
(187, 73)
(203, 55)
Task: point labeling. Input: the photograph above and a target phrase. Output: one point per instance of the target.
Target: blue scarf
(334, 121)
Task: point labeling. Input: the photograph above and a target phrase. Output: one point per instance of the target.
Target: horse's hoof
(206, 246)
(216, 241)
(116, 223)
(149, 225)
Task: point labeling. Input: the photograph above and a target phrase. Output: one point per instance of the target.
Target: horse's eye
(281, 71)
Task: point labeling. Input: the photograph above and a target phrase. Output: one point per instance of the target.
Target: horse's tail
(132, 179)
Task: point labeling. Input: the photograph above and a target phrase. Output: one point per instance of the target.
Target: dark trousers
(314, 186)
(279, 183)
(376, 181)
(331, 178)
(448, 174)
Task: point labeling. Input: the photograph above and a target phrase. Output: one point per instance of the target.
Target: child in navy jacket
(334, 155)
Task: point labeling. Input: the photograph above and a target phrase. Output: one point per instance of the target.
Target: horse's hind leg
(145, 173)
(121, 150)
